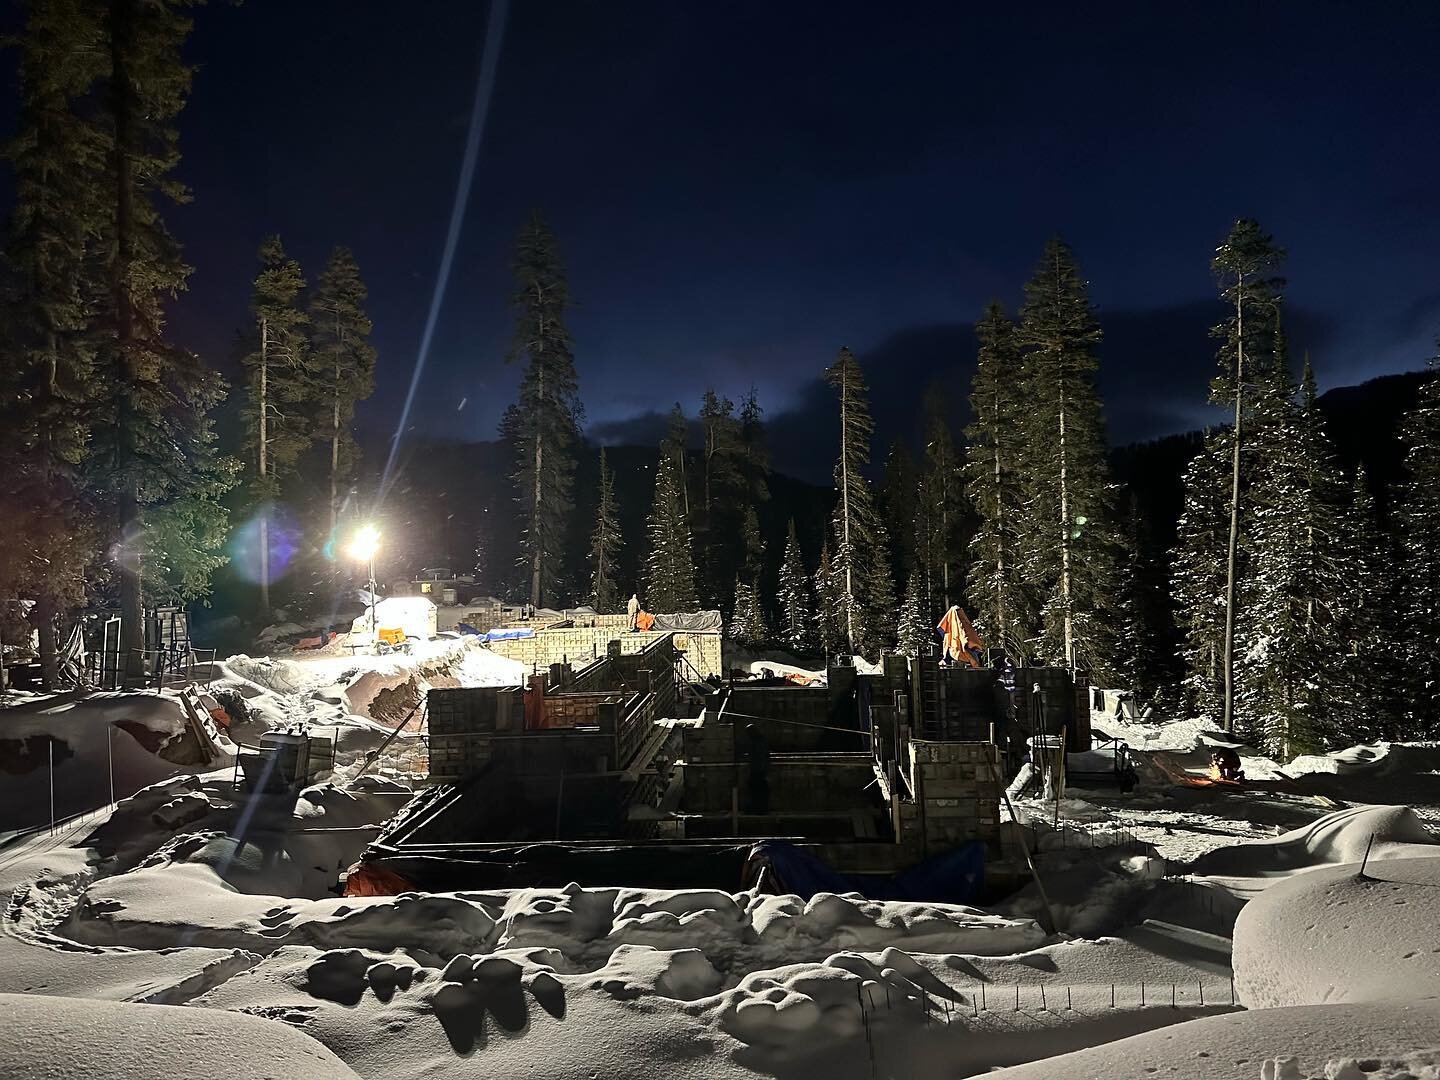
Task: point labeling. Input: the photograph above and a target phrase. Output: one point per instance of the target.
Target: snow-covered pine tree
(1369, 698)
(605, 545)
(47, 376)
(344, 364)
(670, 565)
(861, 563)
(943, 504)
(900, 506)
(830, 605)
(992, 478)
(280, 387)
(798, 631)
(1197, 580)
(154, 459)
(913, 632)
(747, 623)
(722, 481)
(1068, 548)
(1417, 521)
(1243, 266)
(543, 424)
(1141, 661)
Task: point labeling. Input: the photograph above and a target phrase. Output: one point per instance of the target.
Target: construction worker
(1225, 764)
(633, 610)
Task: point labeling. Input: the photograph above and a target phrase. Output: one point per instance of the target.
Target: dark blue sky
(741, 188)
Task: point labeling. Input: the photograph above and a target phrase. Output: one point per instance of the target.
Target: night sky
(739, 189)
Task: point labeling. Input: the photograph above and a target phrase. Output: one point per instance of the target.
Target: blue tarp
(957, 877)
(509, 634)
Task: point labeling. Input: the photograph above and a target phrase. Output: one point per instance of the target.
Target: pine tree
(344, 364)
(900, 505)
(1069, 545)
(47, 378)
(1418, 531)
(798, 630)
(670, 567)
(543, 425)
(722, 481)
(279, 384)
(1197, 582)
(1141, 662)
(830, 604)
(747, 624)
(1242, 265)
(156, 461)
(1004, 610)
(1370, 690)
(605, 547)
(942, 500)
(913, 632)
(860, 565)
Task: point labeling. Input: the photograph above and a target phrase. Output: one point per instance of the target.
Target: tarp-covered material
(957, 877)
(962, 640)
(689, 622)
(509, 633)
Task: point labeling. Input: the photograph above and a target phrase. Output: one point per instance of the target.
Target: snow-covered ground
(157, 902)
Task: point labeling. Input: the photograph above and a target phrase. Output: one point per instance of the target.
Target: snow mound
(82, 1039)
(1334, 936)
(1389, 832)
(1266, 1044)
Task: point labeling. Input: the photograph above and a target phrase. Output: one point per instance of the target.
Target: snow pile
(1391, 1041)
(1333, 935)
(1388, 832)
(90, 737)
(74, 1039)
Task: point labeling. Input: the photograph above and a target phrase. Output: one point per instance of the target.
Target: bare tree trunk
(44, 621)
(127, 517)
(264, 463)
(845, 510)
(335, 429)
(1065, 539)
(537, 535)
(1228, 661)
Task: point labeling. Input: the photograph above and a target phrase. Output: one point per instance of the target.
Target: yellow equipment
(391, 635)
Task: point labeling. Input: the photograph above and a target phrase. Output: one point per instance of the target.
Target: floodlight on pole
(363, 547)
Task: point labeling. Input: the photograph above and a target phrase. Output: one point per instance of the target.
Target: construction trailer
(630, 771)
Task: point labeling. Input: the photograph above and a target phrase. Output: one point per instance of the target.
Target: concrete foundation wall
(580, 644)
(957, 799)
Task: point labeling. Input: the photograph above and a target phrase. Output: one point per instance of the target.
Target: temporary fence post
(110, 758)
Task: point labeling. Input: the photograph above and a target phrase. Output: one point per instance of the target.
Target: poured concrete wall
(580, 644)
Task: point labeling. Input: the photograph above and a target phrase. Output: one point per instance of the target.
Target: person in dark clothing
(1225, 765)
(757, 754)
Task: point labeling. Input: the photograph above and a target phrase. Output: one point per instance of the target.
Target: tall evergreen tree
(1069, 544)
(1004, 610)
(605, 547)
(913, 632)
(860, 565)
(722, 481)
(900, 505)
(830, 604)
(942, 496)
(1243, 266)
(798, 631)
(47, 378)
(156, 460)
(543, 425)
(1418, 530)
(1197, 582)
(1370, 690)
(344, 364)
(280, 387)
(747, 624)
(670, 566)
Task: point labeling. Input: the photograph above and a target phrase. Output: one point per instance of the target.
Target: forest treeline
(1299, 604)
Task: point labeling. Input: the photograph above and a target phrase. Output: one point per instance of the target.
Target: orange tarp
(644, 620)
(368, 880)
(962, 640)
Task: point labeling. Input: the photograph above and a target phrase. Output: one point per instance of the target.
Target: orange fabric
(367, 880)
(644, 620)
(962, 640)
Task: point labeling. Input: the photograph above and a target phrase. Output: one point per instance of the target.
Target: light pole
(363, 548)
